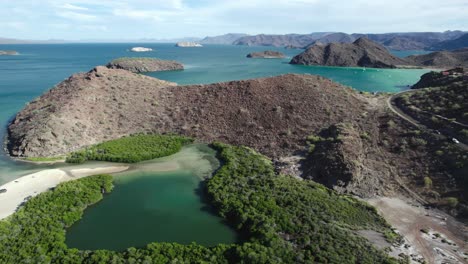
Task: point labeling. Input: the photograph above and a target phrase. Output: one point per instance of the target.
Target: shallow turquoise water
(157, 201)
(40, 67)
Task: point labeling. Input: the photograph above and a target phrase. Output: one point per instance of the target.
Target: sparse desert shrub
(451, 201)
(427, 182)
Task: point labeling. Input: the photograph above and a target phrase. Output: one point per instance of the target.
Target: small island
(139, 65)
(267, 54)
(140, 49)
(186, 44)
(8, 52)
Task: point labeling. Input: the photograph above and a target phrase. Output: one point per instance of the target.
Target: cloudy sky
(134, 19)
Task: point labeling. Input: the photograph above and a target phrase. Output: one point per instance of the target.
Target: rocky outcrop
(187, 44)
(361, 53)
(268, 54)
(272, 115)
(438, 79)
(442, 59)
(139, 65)
(8, 52)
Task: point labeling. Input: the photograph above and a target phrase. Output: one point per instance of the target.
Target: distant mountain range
(226, 39)
(394, 41)
(20, 41)
(448, 40)
(453, 44)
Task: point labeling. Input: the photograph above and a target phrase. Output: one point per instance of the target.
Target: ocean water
(40, 67)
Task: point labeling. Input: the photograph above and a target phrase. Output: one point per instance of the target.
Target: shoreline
(21, 189)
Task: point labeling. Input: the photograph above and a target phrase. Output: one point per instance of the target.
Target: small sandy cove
(33, 184)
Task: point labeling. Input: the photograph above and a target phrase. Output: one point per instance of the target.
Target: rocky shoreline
(140, 65)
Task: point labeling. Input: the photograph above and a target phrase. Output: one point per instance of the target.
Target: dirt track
(432, 246)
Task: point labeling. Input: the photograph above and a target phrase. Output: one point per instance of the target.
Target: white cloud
(177, 18)
(73, 7)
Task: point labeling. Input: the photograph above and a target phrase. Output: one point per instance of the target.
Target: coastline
(18, 190)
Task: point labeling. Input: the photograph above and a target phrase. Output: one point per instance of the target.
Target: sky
(168, 19)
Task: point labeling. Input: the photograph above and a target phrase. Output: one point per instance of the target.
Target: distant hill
(443, 59)
(458, 43)
(361, 53)
(12, 41)
(403, 43)
(226, 39)
(334, 38)
(22, 41)
(291, 40)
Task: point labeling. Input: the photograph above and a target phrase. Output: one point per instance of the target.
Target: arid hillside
(272, 115)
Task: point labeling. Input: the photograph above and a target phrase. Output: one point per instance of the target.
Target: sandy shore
(35, 183)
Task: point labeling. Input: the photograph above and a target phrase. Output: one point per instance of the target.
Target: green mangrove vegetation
(284, 220)
(131, 149)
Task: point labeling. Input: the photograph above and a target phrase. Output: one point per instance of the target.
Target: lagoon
(155, 201)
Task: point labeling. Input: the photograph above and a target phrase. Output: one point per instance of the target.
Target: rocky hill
(442, 59)
(361, 53)
(139, 65)
(226, 39)
(272, 115)
(458, 43)
(268, 54)
(438, 79)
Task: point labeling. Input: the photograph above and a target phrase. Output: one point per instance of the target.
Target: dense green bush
(131, 149)
(283, 220)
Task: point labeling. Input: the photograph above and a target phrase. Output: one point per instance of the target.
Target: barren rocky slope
(138, 65)
(273, 115)
(361, 53)
(442, 59)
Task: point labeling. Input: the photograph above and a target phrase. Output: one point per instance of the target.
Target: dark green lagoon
(156, 201)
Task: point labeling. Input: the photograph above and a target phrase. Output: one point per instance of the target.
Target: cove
(155, 201)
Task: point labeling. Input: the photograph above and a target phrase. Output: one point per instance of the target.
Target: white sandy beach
(35, 183)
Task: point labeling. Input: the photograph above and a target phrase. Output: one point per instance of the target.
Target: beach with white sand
(21, 189)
